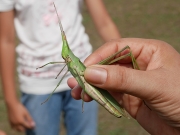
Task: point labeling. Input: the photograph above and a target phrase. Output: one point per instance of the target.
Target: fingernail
(95, 75)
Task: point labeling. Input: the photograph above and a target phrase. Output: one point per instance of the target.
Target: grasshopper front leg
(55, 88)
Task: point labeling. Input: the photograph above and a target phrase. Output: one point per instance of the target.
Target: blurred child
(36, 25)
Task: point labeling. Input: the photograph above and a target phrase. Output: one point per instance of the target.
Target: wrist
(10, 95)
(11, 102)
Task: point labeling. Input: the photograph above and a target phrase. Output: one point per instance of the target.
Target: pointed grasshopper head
(65, 47)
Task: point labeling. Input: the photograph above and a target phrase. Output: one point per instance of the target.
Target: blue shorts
(47, 116)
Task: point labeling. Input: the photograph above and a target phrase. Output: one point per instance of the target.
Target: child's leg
(46, 116)
(76, 122)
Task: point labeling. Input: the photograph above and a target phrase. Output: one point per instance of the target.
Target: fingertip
(29, 122)
(33, 124)
(72, 82)
(76, 92)
(85, 97)
(19, 128)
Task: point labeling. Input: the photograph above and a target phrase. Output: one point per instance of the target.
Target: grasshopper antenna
(60, 25)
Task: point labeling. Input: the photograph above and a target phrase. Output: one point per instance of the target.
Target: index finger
(137, 47)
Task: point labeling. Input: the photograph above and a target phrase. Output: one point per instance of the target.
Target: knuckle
(156, 42)
(117, 80)
(123, 78)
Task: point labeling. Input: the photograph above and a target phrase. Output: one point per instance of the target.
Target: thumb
(142, 84)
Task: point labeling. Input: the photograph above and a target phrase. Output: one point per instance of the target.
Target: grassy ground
(144, 19)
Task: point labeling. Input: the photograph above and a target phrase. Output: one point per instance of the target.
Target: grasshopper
(77, 68)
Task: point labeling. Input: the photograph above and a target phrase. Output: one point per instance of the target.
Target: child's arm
(18, 115)
(103, 22)
(7, 56)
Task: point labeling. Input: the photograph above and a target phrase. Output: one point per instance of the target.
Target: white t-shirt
(37, 28)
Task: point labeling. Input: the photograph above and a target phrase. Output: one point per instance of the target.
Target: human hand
(19, 117)
(2, 132)
(157, 84)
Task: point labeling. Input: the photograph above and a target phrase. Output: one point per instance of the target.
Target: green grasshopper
(77, 68)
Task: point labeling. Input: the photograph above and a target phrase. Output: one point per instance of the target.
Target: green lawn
(143, 19)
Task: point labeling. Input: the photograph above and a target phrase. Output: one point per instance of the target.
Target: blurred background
(143, 19)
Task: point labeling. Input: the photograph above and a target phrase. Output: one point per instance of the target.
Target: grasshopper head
(65, 48)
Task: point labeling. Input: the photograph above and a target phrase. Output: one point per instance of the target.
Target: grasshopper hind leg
(82, 82)
(110, 59)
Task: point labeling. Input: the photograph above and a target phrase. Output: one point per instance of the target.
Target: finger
(118, 96)
(76, 92)
(131, 104)
(72, 82)
(85, 97)
(76, 89)
(19, 128)
(114, 46)
(29, 122)
(126, 80)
